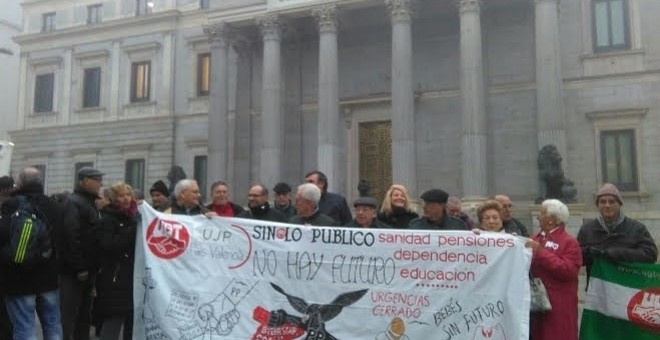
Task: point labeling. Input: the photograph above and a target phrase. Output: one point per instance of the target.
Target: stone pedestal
(575, 219)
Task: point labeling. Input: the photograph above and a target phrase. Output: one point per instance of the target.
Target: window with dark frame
(92, 87)
(43, 92)
(200, 174)
(134, 173)
(94, 14)
(203, 74)
(77, 167)
(619, 159)
(143, 7)
(48, 22)
(140, 81)
(611, 31)
(203, 4)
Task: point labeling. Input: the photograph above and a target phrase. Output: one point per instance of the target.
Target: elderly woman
(490, 217)
(114, 302)
(396, 210)
(556, 261)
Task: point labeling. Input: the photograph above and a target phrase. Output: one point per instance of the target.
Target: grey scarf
(610, 227)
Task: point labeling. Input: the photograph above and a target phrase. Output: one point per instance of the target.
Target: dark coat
(335, 206)
(446, 223)
(513, 226)
(75, 240)
(317, 219)
(630, 242)
(114, 284)
(176, 209)
(375, 224)
(288, 211)
(398, 219)
(264, 213)
(40, 276)
(557, 263)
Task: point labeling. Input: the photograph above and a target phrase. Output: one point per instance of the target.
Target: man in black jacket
(614, 236)
(76, 250)
(510, 224)
(307, 206)
(331, 204)
(365, 214)
(283, 199)
(435, 213)
(31, 287)
(259, 208)
(6, 187)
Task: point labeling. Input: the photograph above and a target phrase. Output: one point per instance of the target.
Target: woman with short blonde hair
(396, 210)
(490, 216)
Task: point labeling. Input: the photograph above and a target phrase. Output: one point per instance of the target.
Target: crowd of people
(81, 274)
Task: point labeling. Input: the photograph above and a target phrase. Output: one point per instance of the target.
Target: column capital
(219, 33)
(271, 26)
(326, 17)
(466, 6)
(401, 10)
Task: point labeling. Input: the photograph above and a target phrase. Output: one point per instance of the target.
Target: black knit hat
(281, 187)
(435, 196)
(160, 186)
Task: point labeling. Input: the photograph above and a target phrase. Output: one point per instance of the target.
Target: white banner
(226, 278)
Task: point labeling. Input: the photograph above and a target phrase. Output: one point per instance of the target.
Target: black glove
(594, 252)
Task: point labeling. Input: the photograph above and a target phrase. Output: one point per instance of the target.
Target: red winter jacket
(557, 264)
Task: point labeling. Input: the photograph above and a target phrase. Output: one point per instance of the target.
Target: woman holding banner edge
(556, 260)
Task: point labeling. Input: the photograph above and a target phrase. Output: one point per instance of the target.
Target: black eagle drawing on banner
(314, 316)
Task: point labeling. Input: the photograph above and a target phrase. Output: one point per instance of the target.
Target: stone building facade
(429, 93)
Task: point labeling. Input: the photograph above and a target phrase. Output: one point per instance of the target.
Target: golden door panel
(376, 156)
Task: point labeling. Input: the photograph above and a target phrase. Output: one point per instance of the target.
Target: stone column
(404, 160)
(328, 97)
(216, 166)
(475, 186)
(549, 102)
(271, 101)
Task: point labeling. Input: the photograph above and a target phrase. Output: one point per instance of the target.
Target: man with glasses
(511, 225)
(259, 208)
(77, 255)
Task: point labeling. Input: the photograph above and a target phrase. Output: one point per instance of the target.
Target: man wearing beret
(365, 214)
(283, 199)
(435, 213)
(613, 235)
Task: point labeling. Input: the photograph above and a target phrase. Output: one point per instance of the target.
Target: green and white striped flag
(623, 302)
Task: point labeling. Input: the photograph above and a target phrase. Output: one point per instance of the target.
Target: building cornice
(10, 24)
(123, 24)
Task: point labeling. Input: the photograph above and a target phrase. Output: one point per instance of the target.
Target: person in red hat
(613, 235)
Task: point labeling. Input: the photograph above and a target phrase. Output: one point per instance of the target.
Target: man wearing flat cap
(77, 254)
(435, 213)
(365, 214)
(613, 235)
(283, 199)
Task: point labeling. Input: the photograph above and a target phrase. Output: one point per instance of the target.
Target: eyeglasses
(255, 195)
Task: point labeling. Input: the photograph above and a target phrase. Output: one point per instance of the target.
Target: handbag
(540, 302)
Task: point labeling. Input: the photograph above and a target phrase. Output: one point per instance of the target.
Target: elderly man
(186, 193)
(454, 210)
(283, 199)
(331, 204)
(159, 196)
(511, 225)
(307, 205)
(613, 235)
(365, 214)
(77, 253)
(220, 203)
(31, 287)
(259, 208)
(435, 214)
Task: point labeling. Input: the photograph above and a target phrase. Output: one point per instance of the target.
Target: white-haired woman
(556, 261)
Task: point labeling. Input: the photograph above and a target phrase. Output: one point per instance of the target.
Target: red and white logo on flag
(167, 239)
(644, 309)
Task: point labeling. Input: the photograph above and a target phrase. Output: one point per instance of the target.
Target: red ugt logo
(167, 239)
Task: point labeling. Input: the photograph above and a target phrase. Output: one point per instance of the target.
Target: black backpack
(29, 235)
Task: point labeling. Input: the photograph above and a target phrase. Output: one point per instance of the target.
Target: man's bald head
(29, 176)
(506, 206)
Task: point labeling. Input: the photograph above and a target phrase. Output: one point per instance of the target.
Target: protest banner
(623, 302)
(227, 278)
